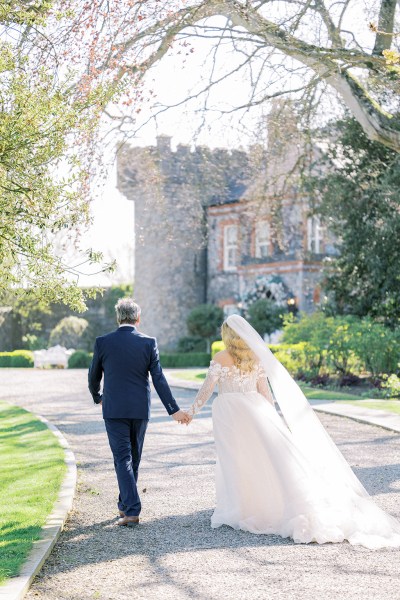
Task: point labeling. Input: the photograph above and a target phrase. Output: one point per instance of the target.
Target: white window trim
(230, 246)
(263, 243)
(315, 235)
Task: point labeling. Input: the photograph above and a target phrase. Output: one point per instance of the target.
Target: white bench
(57, 356)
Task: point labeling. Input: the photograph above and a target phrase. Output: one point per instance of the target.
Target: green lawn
(31, 471)
(392, 406)
(310, 392)
(190, 374)
(313, 393)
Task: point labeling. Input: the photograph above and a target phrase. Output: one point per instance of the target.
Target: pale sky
(175, 77)
(112, 233)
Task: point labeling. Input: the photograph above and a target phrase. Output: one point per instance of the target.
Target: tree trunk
(385, 25)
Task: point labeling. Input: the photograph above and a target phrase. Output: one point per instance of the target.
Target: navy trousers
(126, 437)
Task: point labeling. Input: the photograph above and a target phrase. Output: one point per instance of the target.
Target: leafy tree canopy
(44, 186)
(359, 200)
(68, 332)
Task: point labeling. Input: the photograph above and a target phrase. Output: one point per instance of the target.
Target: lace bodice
(231, 380)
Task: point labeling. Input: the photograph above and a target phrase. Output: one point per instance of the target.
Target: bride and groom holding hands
(276, 473)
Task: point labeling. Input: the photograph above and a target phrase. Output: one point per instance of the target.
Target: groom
(126, 357)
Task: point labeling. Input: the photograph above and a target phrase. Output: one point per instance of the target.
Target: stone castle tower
(222, 227)
(171, 191)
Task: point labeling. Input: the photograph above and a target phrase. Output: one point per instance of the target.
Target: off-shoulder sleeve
(206, 389)
(263, 386)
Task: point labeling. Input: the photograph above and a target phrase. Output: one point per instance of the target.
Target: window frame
(266, 243)
(315, 235)
(230, 246)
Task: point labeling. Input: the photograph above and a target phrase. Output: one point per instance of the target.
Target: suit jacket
(126, 357)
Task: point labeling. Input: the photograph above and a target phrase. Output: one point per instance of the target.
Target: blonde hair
(243, 358)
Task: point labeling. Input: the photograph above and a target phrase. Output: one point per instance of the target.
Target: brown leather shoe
(121, 513)
(128, 521)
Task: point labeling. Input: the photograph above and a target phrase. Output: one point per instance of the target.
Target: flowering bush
(267, 286)
(391, 385)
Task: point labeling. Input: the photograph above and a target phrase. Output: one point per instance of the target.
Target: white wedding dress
(264, 482)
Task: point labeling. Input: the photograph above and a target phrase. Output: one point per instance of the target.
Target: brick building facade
(213, 225)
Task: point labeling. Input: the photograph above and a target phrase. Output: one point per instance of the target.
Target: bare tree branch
(331, 64)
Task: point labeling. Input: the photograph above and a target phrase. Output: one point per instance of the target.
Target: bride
(280, 474)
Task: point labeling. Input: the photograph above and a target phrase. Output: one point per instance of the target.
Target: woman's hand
(190, 417)
(181, 416)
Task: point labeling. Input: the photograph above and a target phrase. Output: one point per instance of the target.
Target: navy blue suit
(126, 357)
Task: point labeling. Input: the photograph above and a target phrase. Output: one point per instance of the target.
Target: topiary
(265, 316)
(80, 360)
(204, 321)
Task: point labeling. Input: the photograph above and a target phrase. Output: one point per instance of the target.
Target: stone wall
(171, 191)
(185, 198)
(287, 257)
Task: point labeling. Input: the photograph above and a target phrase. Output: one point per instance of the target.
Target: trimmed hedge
(192, 343)
(80, 360)
(17, 359)
(189, 359)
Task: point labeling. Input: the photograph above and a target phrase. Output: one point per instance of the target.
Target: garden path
(174, 554)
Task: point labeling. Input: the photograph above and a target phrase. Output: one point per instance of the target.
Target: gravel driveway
(174, 554)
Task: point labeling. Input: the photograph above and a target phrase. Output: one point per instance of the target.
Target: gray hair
(127, 311)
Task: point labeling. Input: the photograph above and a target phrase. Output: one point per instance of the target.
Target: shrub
(189, 359)
(68, 332)
(80, 360)
(5, 359)
(300, 359)
(192, 343)
(265, 316)
(377, 347)
(316, 345)
(16, 359)
(315, 328)
(340, 355)
(349, 380)
(217, 346)
(346, 344)
(204, 321)
(391, 385)
(321, 380)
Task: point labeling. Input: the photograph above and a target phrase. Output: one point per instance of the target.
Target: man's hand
(182, 417)
(190, 417)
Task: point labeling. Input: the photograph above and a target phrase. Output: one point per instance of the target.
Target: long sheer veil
(308, 433)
